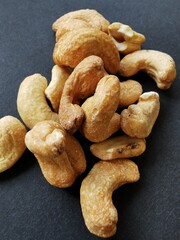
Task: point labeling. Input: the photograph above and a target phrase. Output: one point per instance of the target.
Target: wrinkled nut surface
(31, 101)
(60, 156)
(78, 44)
(101, 121)
(160, 66)
(130, 92)
(12, 146)
(126, 39)
(81, 84)
(54, 90)
(99, 213)
(138, 119)
(119, 147)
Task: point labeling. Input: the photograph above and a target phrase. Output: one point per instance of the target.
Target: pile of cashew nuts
(86, 94)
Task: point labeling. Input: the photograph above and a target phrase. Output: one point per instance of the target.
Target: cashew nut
(60, 156)
(81, 84)
(99, 213)
(160, 66)
(119, 147)
(78, 44)
(101, 121)
(12, 146)
(130, 92)
(138, 119)
(31, 101)
(55, 88)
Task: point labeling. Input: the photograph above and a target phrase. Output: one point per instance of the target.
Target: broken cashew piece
(81, 84)
(138, 119)
(119, 147)
(78, 44)
(12, 134)
(60, 156)
(54, 90)
(126, 39)
(160, 66)
(31, 101)
(100, 215)
(101, 119)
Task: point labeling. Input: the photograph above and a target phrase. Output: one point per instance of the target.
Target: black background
(32, 209)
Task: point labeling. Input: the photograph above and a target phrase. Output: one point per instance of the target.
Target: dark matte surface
(32, 209)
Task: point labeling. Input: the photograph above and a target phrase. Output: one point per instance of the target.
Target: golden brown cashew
(119, 147)
(101, 121)
(12, 146)
(31, 101)
(81, 84)
(99, 213)
(138, 119)
(78, 44)
(60, 156)
(55, 88)
(160, 66)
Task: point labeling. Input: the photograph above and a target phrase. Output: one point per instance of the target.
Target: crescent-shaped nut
(60, 156)
(81, 84)
(119, 147)
(99, 213)
(160, 66)
(101, 121)
(138, 119)
(78, 44)
(12, 134)
(54, 90)
(31, 101)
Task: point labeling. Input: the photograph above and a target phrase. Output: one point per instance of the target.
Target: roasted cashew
(126, 39)
(119, 147)
(101, 121)
(138, 119)
(31, 101)
(12, 146)
(130, 92)
(81, 84)
(60, 156)
(160, 66)
(99, 213)
(78, 44)
(55, 88)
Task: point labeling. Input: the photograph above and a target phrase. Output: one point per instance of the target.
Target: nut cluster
(86, 94)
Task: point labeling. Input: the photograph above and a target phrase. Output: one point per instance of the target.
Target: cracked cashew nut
(119, 147)
(78, 44)
(31, 101)
(160, 66)
(138, 119)
(81, 84)
(12, 134)
(101, 121)
(99, 213)
(60, 156)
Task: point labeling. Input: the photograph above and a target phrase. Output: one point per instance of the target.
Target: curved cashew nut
(78, 44)
(138, 119)
(99, 213)
(31, 101)
(160, 66)
(81, 84)
(55, 88)
(12, 134)
(119, 147)
(101, 121)
(60, 156)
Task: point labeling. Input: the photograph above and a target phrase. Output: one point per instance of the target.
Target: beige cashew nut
(99, 213)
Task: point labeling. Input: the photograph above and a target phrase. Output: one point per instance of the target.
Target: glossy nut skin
(96, 190)
(12, 146)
